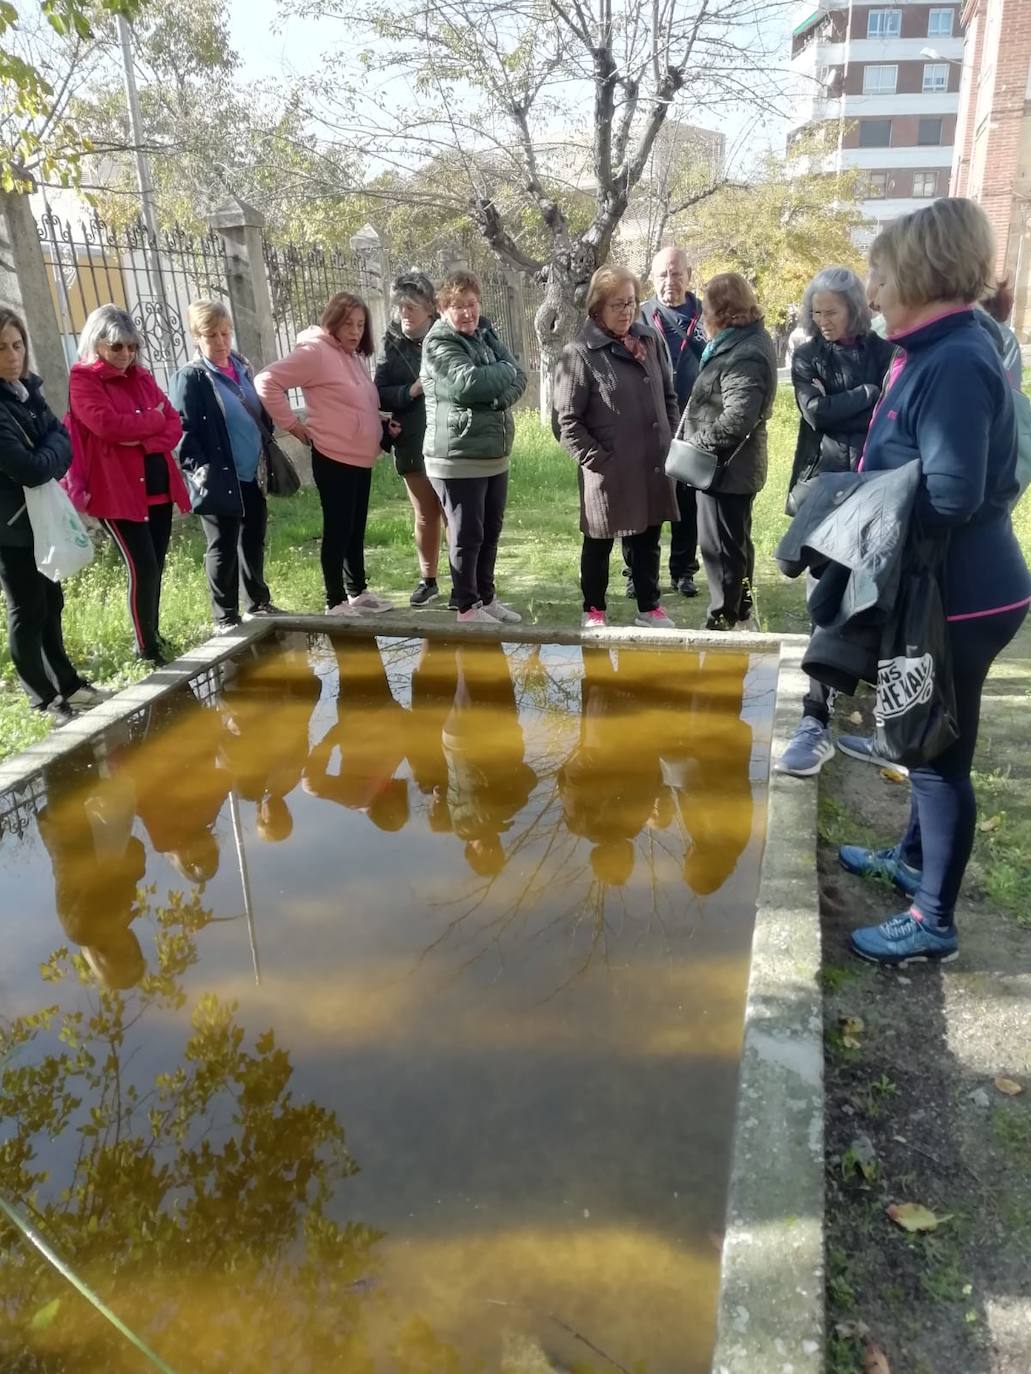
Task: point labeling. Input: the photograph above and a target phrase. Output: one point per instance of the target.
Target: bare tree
(567, 93)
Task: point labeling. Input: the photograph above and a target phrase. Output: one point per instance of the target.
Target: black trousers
(235, 557)
(728, 554)
(344, 495)
(143, 545)
(34, 606)
(474, 508)
(642, 553)
(683, 535)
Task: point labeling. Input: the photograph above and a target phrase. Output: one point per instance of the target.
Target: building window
(925, 184)
(936, 76)
(939, 24)
(880, 80)
(884, 24)
(876, 185)
(929, 133)
(875, 133)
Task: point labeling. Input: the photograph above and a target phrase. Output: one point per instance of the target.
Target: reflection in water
(511, 955)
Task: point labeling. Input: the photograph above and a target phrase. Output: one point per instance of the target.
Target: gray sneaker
(810, 748)
(861, 747)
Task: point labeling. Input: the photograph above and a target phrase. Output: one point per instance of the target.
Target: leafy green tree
(779, 229)
(45, 51)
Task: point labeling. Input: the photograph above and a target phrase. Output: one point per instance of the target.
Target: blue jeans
(943, 810)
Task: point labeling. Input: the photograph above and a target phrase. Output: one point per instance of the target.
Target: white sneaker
(501, 612)
(344, 611)
(87, 696)
(476, 615)
(654, 620)
(368, 603)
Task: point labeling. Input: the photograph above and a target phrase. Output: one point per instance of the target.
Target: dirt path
(911, 1087)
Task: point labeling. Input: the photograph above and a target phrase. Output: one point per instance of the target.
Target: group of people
(465, 750)
(932, 385)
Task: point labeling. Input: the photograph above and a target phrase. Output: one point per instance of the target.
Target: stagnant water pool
(376, 1006)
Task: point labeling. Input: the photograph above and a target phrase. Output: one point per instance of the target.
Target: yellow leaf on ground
(892, 775)
(856, 718)
(851, 1043)
(852, 1025)
(1009, 1086)
(914, 1216)
(989, 824)
(874, 1360)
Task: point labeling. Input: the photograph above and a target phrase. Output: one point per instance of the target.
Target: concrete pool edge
(771, 1296)
(771, 1303)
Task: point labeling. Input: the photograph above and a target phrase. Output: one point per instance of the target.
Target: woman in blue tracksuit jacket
(948, 404)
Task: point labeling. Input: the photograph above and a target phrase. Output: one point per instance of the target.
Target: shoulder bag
(695, 466)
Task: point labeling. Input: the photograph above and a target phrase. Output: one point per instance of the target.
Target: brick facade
(904, 130)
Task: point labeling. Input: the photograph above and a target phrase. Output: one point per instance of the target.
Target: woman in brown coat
(614, 411)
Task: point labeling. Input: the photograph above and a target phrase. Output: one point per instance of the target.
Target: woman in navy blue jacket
(225, 430)
(947, 403)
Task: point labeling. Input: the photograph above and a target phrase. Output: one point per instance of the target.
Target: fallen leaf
(861, 1155)
(851, 1043)
(989, 824)
(892, 775)
(874, 1360)
(914, 1216)
(1009, 1086)
(43, 1318)
(857, 1330)
(852, 1025)
(856, 718)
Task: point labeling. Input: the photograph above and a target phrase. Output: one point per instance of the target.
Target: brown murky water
(377, 1008)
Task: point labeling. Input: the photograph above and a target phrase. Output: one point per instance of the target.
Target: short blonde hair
(204, 315)
(944, 252)
(606, 280)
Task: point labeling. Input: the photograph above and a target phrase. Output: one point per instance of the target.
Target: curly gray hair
(844, 283)
(107, 324)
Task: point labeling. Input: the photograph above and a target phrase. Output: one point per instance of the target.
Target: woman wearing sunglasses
(123, 430)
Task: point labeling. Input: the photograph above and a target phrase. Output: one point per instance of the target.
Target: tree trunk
(561, 313)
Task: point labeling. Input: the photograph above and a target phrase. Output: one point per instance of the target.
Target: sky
(268, 54)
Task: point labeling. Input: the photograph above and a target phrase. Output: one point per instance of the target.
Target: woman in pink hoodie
(344, 430)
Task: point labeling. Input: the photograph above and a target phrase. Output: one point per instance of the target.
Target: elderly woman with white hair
(124, 430)
(414, 305)
(837, 374)
(226, 433)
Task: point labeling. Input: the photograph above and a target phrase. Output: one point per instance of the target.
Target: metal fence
(301, 281)
(153, 278)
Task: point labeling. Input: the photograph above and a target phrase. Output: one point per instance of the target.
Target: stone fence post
(240, 225)
(25, 288)
(367, 246)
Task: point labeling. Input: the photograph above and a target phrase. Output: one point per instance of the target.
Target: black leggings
(34, 606)
(728, 554)
(344, 494)
(143, 545)
(235, 557)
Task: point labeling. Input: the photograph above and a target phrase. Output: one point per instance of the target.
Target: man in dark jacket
(675, 313)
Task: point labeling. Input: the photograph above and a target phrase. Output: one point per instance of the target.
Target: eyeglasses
(621, 306)
(120, 347)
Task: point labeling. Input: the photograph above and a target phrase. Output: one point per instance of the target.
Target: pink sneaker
(654, 620)
(594, 619)
(476, 615)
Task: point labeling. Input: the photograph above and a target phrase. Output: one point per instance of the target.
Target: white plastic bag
(60, 542)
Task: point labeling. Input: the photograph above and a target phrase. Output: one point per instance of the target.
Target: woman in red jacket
(123, 430)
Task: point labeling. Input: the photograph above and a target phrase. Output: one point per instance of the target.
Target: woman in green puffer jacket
(471, 382)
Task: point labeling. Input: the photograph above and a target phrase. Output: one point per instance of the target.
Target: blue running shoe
(808, 750)
(880, 863)
(861, 747)
(904, 940)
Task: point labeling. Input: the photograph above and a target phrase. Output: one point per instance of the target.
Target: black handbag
(281, 476)
(695, 466)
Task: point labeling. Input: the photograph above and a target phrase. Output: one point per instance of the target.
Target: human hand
(819, 386)
(393, 428)
(299, 432)
(416, 389)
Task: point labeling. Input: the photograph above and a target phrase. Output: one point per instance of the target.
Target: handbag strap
(737, 450)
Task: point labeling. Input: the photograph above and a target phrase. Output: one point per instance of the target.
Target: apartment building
(993, 139)
(885, 80)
